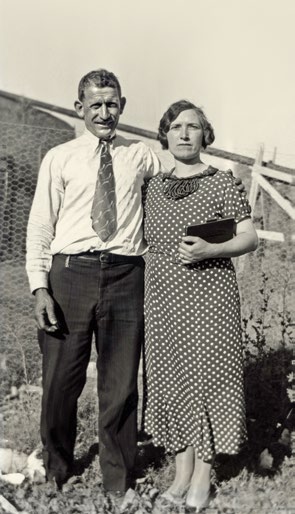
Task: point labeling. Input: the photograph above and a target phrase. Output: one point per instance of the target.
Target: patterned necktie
(103, 212)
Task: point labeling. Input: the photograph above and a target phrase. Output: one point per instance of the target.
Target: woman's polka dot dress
(193, 335)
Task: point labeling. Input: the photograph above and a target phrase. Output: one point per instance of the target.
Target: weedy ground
(243, 484)
(259, 480)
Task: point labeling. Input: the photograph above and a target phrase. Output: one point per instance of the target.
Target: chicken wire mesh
(21, 151)
(266, 277)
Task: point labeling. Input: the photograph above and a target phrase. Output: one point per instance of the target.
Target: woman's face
(185, 136)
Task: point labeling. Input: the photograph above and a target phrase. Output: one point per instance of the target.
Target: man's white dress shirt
(60, 219)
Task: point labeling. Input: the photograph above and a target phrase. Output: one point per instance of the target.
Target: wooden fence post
(254, 184)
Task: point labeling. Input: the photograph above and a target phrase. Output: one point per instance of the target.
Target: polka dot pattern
(193, 350)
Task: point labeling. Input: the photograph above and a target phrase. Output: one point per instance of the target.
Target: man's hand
(44, 311)
(238, 182)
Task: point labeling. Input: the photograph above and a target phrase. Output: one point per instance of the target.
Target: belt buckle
(103, 257)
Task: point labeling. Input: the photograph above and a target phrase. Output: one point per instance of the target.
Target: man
(90, 285)
(85, 268)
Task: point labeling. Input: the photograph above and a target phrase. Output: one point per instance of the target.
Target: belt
(107, 257)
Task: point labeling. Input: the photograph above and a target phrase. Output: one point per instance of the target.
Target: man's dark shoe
(58, 479)
(116, 497)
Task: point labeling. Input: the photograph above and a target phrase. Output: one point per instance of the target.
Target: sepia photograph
(147, 236)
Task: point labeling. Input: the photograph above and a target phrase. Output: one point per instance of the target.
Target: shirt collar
(94, 139)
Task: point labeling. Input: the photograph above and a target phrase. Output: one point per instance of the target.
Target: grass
(242, 486)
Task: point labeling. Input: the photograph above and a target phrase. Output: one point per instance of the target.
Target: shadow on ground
(84, 462)
(270, 418)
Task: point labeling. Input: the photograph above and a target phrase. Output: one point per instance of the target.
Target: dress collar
(176, 187)
(210, 170)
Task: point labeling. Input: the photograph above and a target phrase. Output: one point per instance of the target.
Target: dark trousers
(99, 295)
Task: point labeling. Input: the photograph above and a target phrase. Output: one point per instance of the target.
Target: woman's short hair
(99, 78)
(173, 112)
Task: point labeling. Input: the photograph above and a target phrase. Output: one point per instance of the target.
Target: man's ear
(79, 108)
(122, 104)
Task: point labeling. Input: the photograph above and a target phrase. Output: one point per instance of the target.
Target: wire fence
(21, 151)
(266, 277)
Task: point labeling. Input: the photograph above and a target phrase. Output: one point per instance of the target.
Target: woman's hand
(194, 249)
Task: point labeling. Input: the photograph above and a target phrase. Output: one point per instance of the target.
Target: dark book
(215, 231)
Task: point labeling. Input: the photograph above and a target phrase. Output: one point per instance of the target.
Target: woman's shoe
(176, 498)
(203, 505)
(189, 510)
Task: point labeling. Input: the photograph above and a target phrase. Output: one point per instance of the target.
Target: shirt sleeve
(152, 164)
(42, 220)
(236, 205)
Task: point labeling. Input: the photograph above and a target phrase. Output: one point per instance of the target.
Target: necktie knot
(105, 143)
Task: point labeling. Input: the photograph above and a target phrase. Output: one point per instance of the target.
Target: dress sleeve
(236, 205)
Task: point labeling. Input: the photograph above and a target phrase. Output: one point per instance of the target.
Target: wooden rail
(216, 152)
(72, 113)
(259, 176)
(271, 173)
(275, 195)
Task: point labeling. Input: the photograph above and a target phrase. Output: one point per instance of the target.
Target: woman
(195, 399)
